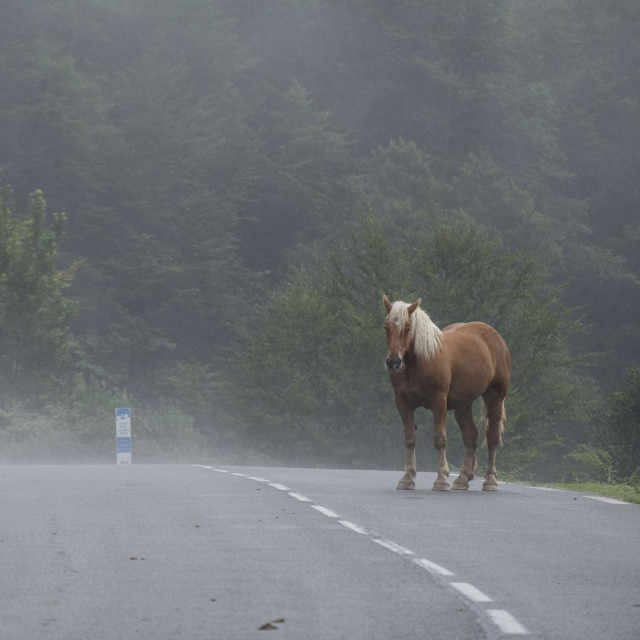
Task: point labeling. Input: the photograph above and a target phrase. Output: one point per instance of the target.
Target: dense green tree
(618, 427)
(311, 381)
(164, 246)
(205, 147)
(35, 314)
(54, 130)
(219, 174)
(587, 55)
(298, 189)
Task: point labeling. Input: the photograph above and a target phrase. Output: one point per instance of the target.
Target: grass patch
(627, 492)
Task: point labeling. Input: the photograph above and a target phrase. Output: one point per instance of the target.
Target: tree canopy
(212, 155)
(35, 315)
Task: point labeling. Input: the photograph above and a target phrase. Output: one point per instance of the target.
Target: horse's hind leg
(439, 410)
(464, 418)
(494, 405)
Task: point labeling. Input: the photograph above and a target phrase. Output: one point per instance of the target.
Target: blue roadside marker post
(123, 435)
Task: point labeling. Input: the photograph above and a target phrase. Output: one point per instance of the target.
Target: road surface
(212, 551)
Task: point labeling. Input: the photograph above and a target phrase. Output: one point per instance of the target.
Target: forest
(204, 202)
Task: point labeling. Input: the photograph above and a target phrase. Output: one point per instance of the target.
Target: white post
(123, 435)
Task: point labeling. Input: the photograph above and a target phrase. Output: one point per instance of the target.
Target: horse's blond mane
(425, 335)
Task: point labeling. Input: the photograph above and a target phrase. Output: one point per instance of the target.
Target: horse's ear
(387, 303)
(413, 306)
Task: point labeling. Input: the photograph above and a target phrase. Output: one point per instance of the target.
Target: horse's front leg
(439, 410)
(409, 428)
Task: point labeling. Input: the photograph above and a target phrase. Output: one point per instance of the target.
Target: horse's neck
(413, 359)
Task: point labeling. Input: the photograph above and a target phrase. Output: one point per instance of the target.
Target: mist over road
(158, 551)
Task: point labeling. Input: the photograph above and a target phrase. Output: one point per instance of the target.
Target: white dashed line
(353, 527)
(469, 591)
(279, 487)
(546, 488)
(299, 496)
(501, 618)
(433, 567)
(325, 511)
(506, 622)
(392, 546)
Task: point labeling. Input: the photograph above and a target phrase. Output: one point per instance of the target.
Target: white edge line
(392, 546)
(353, 527)
(607, 500)
(471, 592)
(433, 567)
(506, 622)
(202, 466)
(220, 470)
(299, 496)
(257, 479)
(325, 511)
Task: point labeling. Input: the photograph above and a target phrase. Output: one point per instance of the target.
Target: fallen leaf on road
(270, 626)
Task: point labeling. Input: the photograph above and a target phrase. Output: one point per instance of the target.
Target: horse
(445, 370)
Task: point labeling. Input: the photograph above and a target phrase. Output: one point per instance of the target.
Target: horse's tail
(484, 421)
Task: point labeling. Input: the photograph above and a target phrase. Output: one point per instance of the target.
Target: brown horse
(442, 370)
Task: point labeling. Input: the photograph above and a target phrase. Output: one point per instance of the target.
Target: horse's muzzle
(394, 364)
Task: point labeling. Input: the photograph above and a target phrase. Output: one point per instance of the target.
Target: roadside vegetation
(243, 181)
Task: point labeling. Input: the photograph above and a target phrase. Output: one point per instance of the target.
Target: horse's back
(479, 344)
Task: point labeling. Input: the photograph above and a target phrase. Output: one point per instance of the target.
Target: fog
(242, 181)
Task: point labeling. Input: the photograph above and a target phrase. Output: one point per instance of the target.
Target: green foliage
(35, 315)
(79, 427)
(312, 384)
(295, 383)
(203, 150)
(295, 188)
(400, 183)
(582, 464)
(467, 275)
(618, 427)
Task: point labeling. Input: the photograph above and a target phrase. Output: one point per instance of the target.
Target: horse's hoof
(490, 485)
(461, 484)
(407, 485)
(441, 485)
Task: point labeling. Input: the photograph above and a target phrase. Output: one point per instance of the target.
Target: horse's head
(397, 324)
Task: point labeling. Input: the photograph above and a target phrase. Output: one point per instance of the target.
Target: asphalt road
(204, 552)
